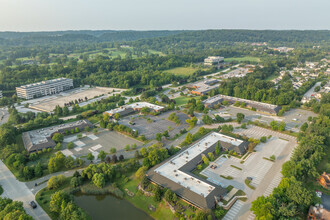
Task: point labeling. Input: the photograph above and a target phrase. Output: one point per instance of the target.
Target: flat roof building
(36, 140)
(44, 88)
(203, 87)
(213, 60)
(176, 172)
(260, 106)
(131, 108)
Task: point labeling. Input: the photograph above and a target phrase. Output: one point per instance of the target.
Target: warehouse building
(176, 172)
(44, 88)
(259, 106)
(42, 138)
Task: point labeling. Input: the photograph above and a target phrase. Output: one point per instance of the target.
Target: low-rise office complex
(176, 172)
(213, 60)
(203, 87)
(44, 88)
(260, 106)
(134, 107)
(42, 138)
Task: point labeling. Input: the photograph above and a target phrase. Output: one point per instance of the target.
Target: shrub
(263, 139)
(70, 145)
(113, 150)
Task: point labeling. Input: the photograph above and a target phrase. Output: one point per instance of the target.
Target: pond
(109, 207)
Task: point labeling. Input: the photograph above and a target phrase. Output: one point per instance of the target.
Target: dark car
(33, 204)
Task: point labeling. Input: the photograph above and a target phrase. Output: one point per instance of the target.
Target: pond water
(106, 207)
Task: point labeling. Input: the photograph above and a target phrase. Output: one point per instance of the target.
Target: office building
(176, 172)
(134, 107)
(44, 88)
(213, 60)
(40, 139)
(259, 106)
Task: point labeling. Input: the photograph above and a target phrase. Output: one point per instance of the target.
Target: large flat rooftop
(136, 105)
(40, 136)
(170, 169)
(219, 97)
(44, 83)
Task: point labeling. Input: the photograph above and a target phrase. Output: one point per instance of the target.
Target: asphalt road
(18, 191)
(4, 116)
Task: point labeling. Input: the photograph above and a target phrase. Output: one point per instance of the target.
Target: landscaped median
(248, 183)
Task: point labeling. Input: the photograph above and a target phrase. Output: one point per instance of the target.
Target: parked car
(33, 204)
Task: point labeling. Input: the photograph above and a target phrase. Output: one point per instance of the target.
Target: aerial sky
(52, 15)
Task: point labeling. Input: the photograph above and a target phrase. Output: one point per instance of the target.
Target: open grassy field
(183, 71)
(271, 77)
(182, 100)
(241, 59)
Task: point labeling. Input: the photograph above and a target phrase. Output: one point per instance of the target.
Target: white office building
(213, 60)
(44, 88)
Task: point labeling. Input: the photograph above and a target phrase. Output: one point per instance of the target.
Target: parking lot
(265, 174)
(293, 118)
(94, 143)
(48, 103)
(255, 166)
(156, 124)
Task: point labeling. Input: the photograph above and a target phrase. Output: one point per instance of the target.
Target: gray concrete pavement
(309, 93)
(4, 115)
(266, 177)
(18, 191)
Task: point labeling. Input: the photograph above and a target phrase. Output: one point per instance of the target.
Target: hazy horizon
(61, 15)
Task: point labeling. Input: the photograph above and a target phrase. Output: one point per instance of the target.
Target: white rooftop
(40, 136)
(170, 169)
(145, 104)
(136, 105)
(44, 82)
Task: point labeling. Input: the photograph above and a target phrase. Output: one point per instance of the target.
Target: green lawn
(43, 198)
(142, 202)
(183, 71)
(271, 77)
(241, 59)
(182, 100)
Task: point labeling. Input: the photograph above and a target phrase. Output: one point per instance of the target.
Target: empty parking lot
(293, 118)
(265, 174)
(94, 143)
(48, 103)
(155, 124)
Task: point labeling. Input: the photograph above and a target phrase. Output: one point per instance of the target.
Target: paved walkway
(233, 211)
(18, 191)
